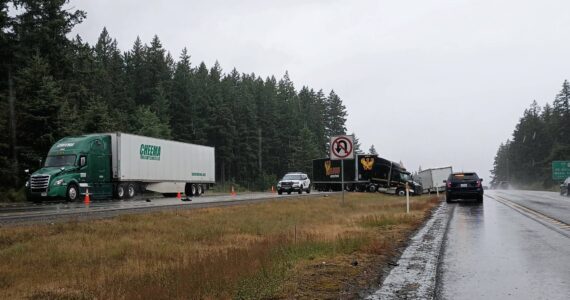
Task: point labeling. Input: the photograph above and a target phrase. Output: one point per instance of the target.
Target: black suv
(463, 186)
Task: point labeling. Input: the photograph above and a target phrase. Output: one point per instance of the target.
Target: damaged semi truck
(119, 165)
(365, 173)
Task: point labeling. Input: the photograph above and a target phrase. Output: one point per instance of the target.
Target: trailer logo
(329, 170)
(367, 163)
(150, 152)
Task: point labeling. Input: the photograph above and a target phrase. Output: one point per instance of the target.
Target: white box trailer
(432, 179)
(163, 166)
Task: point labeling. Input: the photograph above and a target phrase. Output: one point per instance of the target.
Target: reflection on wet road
(492, 251)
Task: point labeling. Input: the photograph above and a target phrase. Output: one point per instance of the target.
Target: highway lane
(25, 213)
(503, 250)
(548, 203)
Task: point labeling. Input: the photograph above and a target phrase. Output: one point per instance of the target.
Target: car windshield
(60, 160)
(464, 176)
(292, 177)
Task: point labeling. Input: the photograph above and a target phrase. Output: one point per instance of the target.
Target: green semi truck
(119, 165)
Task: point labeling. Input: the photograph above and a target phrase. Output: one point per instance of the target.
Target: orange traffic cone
(87, 200)
(233, 193)
(272, 189)
(178, 196)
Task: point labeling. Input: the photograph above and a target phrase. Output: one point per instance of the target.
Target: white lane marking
(550, 222)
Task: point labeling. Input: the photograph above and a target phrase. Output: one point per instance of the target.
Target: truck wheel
(72, 193)
(199, 190)
(300, 190)
(131, 190)
(372, 188)
(193, 189)
(120, 191)
(400, 192)
(188, 190)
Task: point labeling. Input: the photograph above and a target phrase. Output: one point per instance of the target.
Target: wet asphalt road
(496, 251)
(28, 212)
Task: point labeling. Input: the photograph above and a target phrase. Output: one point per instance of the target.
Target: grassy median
(302, 248)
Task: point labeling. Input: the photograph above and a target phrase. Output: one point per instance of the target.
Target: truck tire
(199, 190)
(188, 190)
(131, 190)
(72, 194)
(400, 192)
(372, 188)
(300, 190)
(120, 191)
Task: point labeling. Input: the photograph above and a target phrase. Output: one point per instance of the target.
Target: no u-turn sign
(342, 147)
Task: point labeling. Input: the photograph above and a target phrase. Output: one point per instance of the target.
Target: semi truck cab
(73, 166)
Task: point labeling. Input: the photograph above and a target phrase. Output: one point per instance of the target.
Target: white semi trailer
(120, 165)
(432, 179)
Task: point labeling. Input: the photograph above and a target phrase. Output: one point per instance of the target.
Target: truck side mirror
(82, 161)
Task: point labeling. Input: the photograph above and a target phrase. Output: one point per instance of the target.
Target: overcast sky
(428, 82)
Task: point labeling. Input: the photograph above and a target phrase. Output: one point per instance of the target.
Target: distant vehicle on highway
(121, 165)
(294, 182)
(464, 185)
(501, 185)
(432, 179)
(565, 187)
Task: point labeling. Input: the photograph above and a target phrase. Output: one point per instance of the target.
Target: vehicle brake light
(449, 184)
(478, 183)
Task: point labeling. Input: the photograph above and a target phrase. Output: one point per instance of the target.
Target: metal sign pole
(342, 178)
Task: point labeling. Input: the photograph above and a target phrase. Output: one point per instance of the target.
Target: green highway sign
(560, 169)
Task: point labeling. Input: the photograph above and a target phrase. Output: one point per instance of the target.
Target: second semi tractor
(365, 173)
(119, 165)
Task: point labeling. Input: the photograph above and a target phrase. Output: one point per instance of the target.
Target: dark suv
(463, 186)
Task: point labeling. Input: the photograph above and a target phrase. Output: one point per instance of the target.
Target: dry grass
(269, 250)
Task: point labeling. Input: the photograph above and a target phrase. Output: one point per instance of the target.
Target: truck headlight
(59, 182)
(27, 183)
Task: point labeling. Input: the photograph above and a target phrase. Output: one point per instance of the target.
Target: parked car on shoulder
(294, 182)
(464, 185)
(565, 187)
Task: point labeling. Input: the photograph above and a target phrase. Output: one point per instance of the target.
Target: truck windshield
(60, 160)
(292, 177)
(406, 177)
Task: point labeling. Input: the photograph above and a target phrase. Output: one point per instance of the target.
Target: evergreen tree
(356, 144)
(372, 151)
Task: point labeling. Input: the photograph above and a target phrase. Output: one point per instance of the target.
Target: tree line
(541, 136)
(52, 86)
